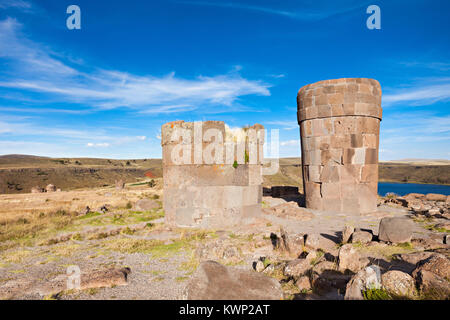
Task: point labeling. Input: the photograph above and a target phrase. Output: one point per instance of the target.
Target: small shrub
(129, 205)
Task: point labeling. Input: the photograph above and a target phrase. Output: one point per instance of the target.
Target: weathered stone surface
(212, 174)
(347, 233)
(432, 286)
(399, 283)
(437, 264)
(395, 230)
(37, 190)
(213, 281)
(367, 278)
(290, 210)
(361, 237)
(318, 241)
(292, 243)
(259, 266)
(297, 268)
(340, 138)
(50, 188)
(120, 184)
(435, 197)
(348, 259)
(414, 258)
(303, 283)
(146, 205)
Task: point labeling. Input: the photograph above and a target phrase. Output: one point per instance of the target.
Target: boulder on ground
(293, 243)
(317, 241)
(303, 283)
(213, 281)
(347, 233)
(435, 197)
(413, 196)
(297, 268)
(37, 190)
(395, 230)
(349, 258)
(432, 286)
(146, 205)
(437, 264)
(290, 210)
(50, 188)
(369, 278)
(399, 283)
(361, 237)
(120, 184)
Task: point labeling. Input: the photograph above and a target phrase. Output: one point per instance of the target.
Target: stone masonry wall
(339, 128)
(202, 193)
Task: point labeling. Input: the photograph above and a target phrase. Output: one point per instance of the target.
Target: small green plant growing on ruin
(235, 164)
(151, 183)
(376, 294)
(247, 158)
(129, 205)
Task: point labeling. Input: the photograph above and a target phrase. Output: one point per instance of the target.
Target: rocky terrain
(118, 241)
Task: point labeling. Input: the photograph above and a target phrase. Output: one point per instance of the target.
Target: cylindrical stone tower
(212, 175)
(339, 128)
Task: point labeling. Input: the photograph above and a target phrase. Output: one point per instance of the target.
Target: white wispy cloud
(307, 11)
(91, 145)
(36, 70)
(428, 92)
(20, 4)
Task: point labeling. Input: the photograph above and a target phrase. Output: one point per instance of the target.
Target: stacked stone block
(198, 193)
(339, 128)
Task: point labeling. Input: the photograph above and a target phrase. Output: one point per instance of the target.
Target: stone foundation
(212, 178)
(339, 128)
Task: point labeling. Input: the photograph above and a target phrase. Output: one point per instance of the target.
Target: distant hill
(19, 173)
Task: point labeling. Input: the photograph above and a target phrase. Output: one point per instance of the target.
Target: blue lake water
(404, 188)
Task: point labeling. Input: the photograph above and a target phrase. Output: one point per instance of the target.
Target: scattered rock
(328, 281)
(367, 278)
(37, 190)
(317, 241)
(429, 243)
(50, 188)
(146, 205)
(432, 286)
(413, 196)
(303, 283)
(104, 208)
(297, 268)
(413, 258)
(259, 266)
(292, 243)
(436, 197)
(348, 258)
(322, 266)
(399, 283)
(347, 233)
(213, 281)
(120, 184)
(395, 230)
(437, 264)
(290, 210)
(361, 237)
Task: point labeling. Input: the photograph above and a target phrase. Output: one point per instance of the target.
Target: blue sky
(105, 90)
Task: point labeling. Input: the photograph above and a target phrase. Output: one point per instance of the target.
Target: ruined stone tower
(339, 128)
(212, 174)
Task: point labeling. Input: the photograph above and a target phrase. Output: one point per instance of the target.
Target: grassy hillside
(18, 173)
